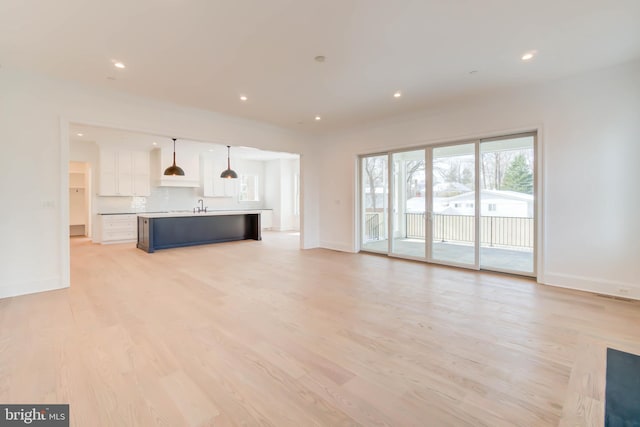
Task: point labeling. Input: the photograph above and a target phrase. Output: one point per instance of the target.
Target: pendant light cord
(174, 152)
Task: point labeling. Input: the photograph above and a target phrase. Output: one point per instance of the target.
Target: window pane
(249, 188)
(453, 201)
(409, 203)
(375, 191)
(506, 204)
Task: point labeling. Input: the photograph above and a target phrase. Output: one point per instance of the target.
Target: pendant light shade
(228, 173)
(174, 169)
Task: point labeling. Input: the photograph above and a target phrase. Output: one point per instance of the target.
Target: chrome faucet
(200, 208)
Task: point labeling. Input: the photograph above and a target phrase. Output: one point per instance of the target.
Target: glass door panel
(409, 204)
(453, 201)
(507, 222)
(470, 204)
(374, 176)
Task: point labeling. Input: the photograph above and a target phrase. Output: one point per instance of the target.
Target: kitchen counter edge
(187, 214)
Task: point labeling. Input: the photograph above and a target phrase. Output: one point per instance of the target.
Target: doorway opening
(79, 199)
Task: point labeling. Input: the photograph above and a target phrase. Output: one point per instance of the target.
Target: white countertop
(208, 213)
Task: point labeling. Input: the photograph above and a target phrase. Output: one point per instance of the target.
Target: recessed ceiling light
(118, 65)
(529, 55)
(397, 94)
(243, 98)
(80, 134)
(210, 149)
(154, 143)
(318, 118)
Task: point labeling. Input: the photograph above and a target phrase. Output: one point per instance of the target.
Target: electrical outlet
(623, 291)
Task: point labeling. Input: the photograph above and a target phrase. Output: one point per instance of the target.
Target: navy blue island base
(162, 231)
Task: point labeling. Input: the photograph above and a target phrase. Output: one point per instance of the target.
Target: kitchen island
(177, 229)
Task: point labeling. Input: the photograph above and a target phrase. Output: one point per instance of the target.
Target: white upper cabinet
(187, 158)
(123, 173)
(108, 182)
(141, 181)
(212, 185)
(124, 161)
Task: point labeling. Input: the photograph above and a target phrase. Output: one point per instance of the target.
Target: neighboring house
(444, 189)
(493, 203)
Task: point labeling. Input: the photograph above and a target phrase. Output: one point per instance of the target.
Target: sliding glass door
(408, 204)
(469, 204)
(453, 205)
(374, 174)
(507, 214)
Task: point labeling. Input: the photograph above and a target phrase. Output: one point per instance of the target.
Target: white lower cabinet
(118, 228)
(266, 219)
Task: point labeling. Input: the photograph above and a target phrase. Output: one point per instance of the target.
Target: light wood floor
(261, 333)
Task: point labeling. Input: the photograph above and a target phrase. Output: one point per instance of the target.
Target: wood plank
(262, 333)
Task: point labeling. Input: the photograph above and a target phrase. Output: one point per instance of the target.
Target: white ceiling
(205, 53)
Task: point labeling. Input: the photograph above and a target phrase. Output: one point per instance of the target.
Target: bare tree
(494, 165)
(490, 167)
(455, 171)
(374, 168)
(412, 167)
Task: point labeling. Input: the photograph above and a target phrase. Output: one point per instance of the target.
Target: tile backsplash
(169, 199)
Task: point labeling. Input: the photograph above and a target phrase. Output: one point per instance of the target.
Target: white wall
(289, 168)
(272, 195)
(310, 177)
(590, 134)
(34, 115)
(279, 192)
(589, 131)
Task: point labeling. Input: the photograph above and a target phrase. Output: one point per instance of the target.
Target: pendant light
(229, 173)
(173, 169)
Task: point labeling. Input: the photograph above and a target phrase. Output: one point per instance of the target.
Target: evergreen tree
(518, 176)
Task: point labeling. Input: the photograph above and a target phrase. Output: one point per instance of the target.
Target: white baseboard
(25, 288)
(310, 243)
(336, 246)
(590, 284)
